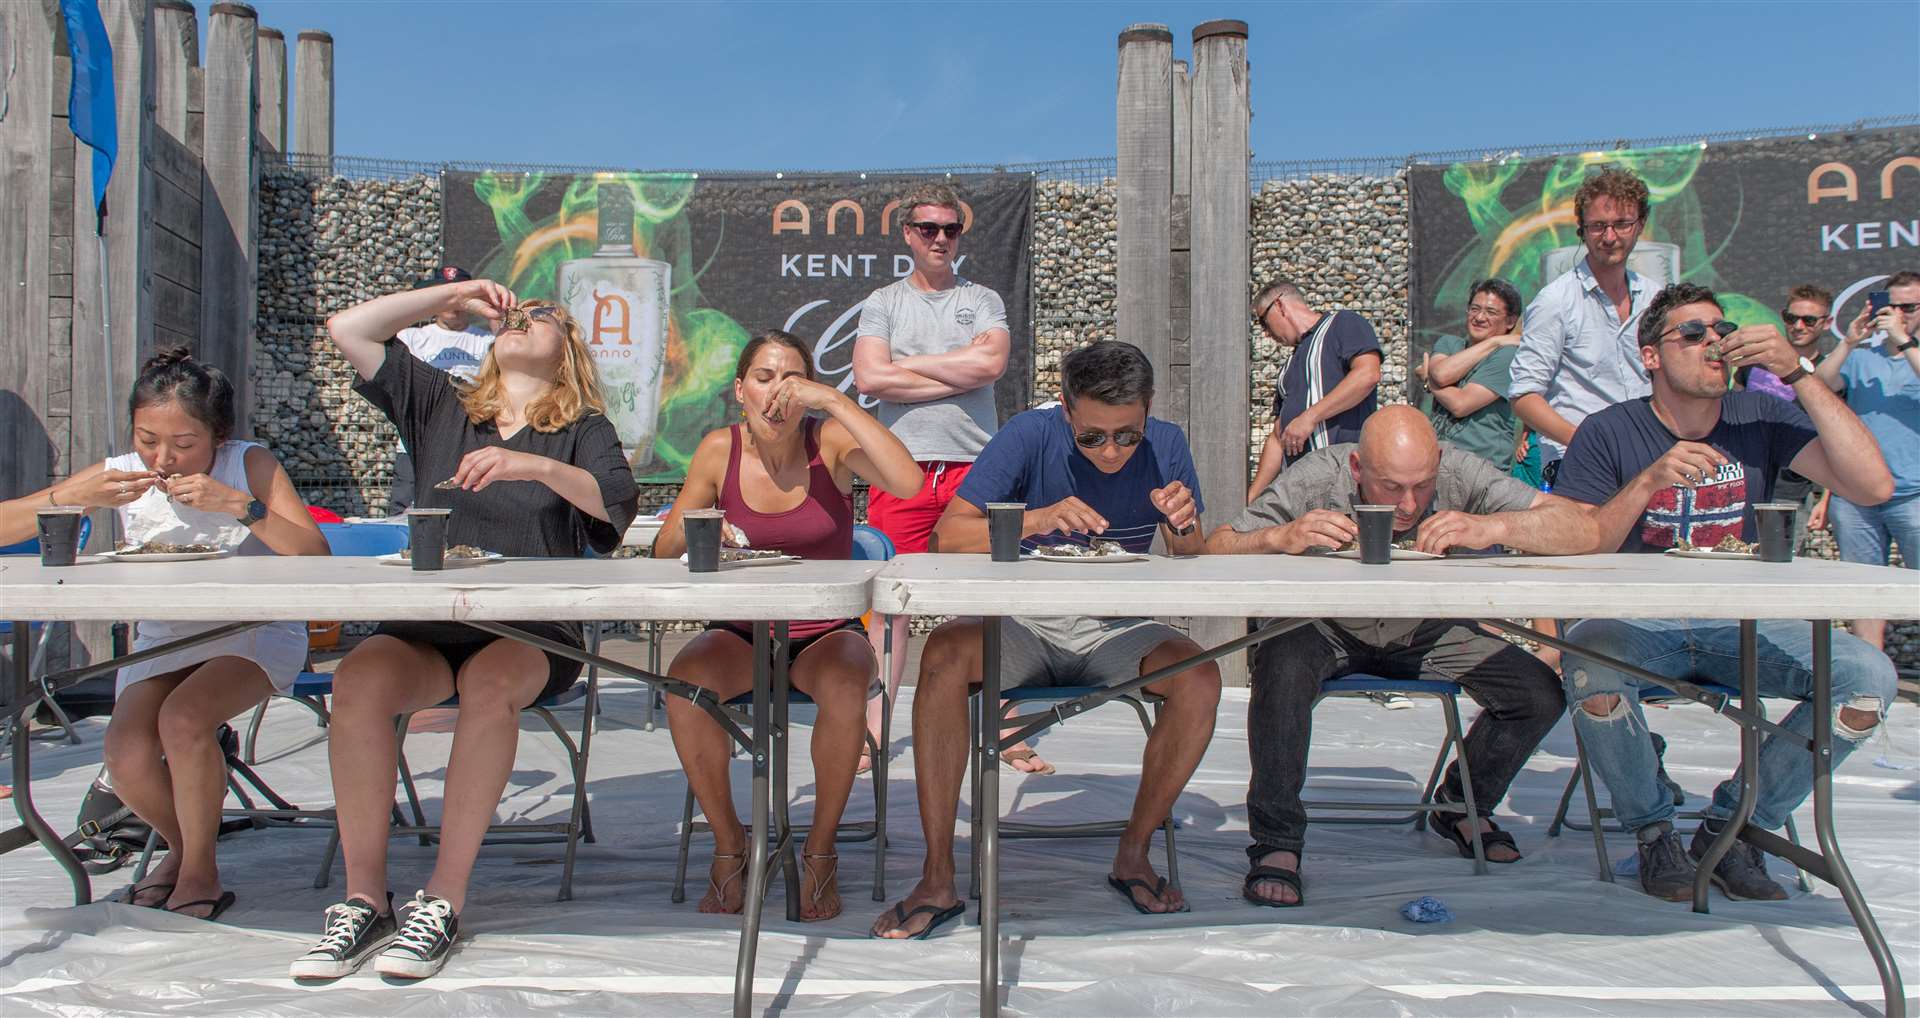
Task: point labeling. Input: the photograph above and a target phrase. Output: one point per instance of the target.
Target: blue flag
(90, 105)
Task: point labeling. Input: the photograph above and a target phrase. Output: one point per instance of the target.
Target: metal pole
(988, 848)
(756, 889)
(23, 705)
(1749, 767)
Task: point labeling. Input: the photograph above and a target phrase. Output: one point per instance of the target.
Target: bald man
(1445, 498)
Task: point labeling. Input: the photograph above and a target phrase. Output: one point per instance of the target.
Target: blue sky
(872, 85)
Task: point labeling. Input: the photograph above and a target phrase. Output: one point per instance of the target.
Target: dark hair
(1901, 279)
(1502, 289)
(1816, 294)
(1110, 371)
(1620, 185)
(786, 339)
(173, 376)
(1654, 321)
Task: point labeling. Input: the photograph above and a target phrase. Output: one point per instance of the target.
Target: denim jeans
(1865, 532)
(1519, 693)
(1617, 746)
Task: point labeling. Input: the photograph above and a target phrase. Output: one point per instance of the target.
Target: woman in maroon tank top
(784, 481)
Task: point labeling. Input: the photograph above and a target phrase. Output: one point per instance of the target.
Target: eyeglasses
(1476, 311)
(1620, 227)
(928, 230)
(1807, 320)
(1694, 332)
(1126, 438)
(522, 317)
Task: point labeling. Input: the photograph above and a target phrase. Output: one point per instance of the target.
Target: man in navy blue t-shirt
(1688, 464)
(1328, 389)
(1094, 468)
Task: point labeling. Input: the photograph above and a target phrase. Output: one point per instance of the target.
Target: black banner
(710, 261)
(1748, 220)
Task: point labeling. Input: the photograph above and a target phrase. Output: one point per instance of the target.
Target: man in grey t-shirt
(1446, 498)
(929, 347)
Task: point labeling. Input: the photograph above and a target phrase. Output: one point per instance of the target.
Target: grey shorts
(1077, 650)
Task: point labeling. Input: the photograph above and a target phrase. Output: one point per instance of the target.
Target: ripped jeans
(1617, 746)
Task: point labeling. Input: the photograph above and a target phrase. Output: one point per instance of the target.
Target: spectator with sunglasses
(1095, 467)
(930, 348)
(1688, 463)
(1577, 354)
(1807, 315)
(1880, 383)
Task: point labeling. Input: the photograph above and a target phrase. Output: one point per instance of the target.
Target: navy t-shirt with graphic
(1758, 434)
(1033, 459)
(1314, 370)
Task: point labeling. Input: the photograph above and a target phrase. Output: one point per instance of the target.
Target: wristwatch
(256, 511)
(1912, 341)
(1182, 531)
(1804, 369)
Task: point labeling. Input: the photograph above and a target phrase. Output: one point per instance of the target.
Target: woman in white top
(187, 482)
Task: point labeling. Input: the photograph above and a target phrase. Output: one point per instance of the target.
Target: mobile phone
(1877, 300)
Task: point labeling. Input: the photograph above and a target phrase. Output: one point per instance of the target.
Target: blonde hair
(575, 391)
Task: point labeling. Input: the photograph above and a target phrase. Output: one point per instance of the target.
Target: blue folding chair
(1448, 693)
(869, 545)
(40, 634)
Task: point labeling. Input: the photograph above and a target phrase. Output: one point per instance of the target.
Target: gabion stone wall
(327, 243)
(1344, 242)
(1074, 253)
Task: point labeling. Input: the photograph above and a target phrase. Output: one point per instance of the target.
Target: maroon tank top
(820, 527)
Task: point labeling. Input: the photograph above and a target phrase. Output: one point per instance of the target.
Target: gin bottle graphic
(620, 301)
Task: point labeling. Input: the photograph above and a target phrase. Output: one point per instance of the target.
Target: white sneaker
(1392, 701)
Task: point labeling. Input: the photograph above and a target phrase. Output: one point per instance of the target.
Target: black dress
(514, 518)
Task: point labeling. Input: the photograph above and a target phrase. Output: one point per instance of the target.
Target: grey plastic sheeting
(1539, 938)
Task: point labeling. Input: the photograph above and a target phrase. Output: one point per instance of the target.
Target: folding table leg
(1749, 767)
(756, 889)
(988, 846)
(22, 704)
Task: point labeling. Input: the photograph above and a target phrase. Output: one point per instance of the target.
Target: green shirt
(1487, 432)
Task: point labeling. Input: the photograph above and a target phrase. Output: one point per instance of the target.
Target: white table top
(1280, 586)
(268, 588)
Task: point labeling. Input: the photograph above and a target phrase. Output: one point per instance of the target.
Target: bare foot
(1169, 900)
(938, 895)
(1274, 890)
(186, 891)
(726, 884)
(153, 891)
(819, 886)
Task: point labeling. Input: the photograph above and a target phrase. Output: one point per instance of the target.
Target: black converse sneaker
(428, 926)
(354, 932)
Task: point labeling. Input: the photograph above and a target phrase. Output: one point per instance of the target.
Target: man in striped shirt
(1327, 392)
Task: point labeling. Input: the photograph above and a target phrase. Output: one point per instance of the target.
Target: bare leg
(835, 672)
(381, 679)
(214, 692)
(1179, 740)
(1874, 631)
(898, 670)
(494, 686)
(139, 771)
(949, 666)
(722, 662)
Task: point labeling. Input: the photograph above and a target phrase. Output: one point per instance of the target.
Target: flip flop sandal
(1024, 755)
(134, 893)
(719, 888)
(1290, 878)
(807, 860)
(1446, 826)
(220, 904)
(1124, 888)
(940, 917)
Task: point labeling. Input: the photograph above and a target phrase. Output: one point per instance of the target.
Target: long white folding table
(1283, 592)
(243, 592)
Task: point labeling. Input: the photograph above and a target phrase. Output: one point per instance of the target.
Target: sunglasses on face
(928, 231)
(1905, 309)
(1694, 332)
(1807, 320)
(522, 318)
(1126, 438)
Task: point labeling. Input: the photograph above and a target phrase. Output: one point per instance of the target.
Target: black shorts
(457, 643)
(794, 647)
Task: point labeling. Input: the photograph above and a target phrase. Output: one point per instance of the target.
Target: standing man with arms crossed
(1880, 384)
(929, 348)
(1578, 350)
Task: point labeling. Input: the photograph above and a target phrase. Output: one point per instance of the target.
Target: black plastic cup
(1376, 533)
(427, 536)
(60, 533)
(1004, 525)
(702, 528)
(1776, 530)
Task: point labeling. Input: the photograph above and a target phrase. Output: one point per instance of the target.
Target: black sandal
(1290, 878)
(219, 905)
(1157, 889)
(1447, 825)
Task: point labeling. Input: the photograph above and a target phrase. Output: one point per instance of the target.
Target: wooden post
(313, 95)
(228, 200)
(176, 52)
(26, 139)
(1180, 255)
(1144, 124)
(272, 75)
(1221, 266)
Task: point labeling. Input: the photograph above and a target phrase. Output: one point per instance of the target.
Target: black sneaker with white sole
(354, 932)
(428, 927)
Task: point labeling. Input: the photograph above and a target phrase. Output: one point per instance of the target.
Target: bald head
(1397, 463)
